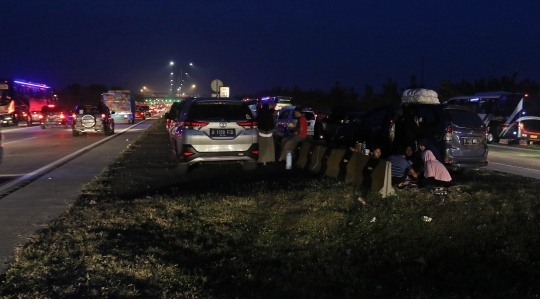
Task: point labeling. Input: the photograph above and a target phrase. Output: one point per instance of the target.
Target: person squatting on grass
(435, 173)
(265, 125)
(290, 142)
(401, 168)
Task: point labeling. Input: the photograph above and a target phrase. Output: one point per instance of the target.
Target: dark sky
(254, 45)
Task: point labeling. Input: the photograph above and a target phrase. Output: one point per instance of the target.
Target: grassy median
(142, 231)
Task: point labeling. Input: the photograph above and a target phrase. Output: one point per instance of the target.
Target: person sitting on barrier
(400, 168)
(290, 142)
(435, 173)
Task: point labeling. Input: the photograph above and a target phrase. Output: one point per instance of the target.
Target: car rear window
(52, 109)
(309, 115)
(219, 111)
(88, 110)
(464, 118)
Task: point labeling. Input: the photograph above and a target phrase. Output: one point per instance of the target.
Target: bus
(19, 98)
(509, 117)
(122, 103)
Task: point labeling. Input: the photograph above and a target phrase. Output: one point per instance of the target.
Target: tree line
(391, 92)
(339, 95)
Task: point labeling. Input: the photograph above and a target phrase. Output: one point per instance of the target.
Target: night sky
(255, 45)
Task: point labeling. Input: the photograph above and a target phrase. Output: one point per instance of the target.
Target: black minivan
(457, 132)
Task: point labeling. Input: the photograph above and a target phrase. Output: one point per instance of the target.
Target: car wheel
(64, 126)
(43, 127)
(75, 133)
(182, 168)
(249, 166)
(107, 131)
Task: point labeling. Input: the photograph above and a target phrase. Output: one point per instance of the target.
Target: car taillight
(247, 124)
(448, 135)
(103, 116)
(255, 152)
(194, 124)
(40, 116)
(519, 125)
(62, 116)
(187, 154)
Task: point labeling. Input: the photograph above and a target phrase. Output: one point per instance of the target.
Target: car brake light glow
(103, 116)
(448, 135)
(40, 116)
(247, 124)
(194, 124)
(187, 154)
(62, 116)
(50, 105)
(255, 152)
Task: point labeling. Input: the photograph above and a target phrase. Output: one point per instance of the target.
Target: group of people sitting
(422, 166)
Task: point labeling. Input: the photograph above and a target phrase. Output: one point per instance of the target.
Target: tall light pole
(180, 80)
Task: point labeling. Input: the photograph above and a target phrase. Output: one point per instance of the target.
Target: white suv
(286, 116)
(214, 130)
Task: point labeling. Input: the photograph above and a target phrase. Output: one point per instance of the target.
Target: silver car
(214, 130)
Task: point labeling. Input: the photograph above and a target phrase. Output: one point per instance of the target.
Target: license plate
(533, 136)
(470, 141)
(222, 133)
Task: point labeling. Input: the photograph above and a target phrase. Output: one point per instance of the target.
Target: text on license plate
(533, 136)
(222, 133)
(469, 140)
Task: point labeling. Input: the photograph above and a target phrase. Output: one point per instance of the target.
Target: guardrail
(365, 170)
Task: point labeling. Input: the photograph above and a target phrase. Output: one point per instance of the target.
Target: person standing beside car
(289, 143)
(265, 125)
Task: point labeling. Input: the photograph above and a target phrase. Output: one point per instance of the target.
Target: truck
(122, 103)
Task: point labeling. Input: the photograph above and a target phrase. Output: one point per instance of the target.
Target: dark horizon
(256, 46)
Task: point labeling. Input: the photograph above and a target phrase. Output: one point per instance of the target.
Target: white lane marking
(28, 176)
(18, 140)
(524, 168)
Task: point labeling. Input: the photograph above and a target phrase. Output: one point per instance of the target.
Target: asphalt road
(514, 160)
(37, 190)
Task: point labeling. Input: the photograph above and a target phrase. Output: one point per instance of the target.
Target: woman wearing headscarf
(435, 173)
(265, 125)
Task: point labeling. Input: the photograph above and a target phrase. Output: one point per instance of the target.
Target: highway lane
(29, 149)
(514, 160)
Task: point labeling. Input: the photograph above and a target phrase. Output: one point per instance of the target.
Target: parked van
(456, 131)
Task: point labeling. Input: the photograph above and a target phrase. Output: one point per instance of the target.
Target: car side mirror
(112, 112)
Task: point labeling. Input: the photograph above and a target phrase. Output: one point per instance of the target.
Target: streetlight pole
(181, 79)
